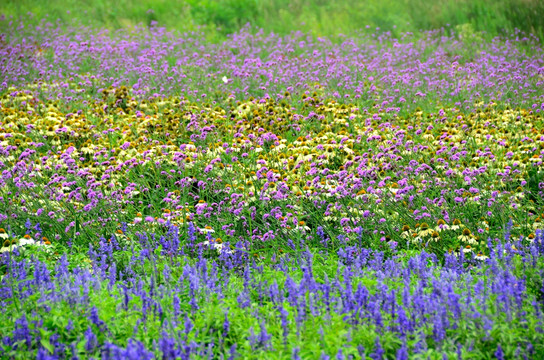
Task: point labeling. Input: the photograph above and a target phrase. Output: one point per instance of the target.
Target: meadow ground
(270, 196)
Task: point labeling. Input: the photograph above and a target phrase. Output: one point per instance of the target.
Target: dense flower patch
(70, 65)
(441, 181)
(150, 299)
(270, 196)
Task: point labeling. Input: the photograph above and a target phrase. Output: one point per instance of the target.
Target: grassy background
(319, 17)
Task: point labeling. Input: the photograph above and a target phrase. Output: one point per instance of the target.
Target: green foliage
(318, 17)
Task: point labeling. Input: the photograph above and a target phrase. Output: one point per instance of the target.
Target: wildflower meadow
(270, 196)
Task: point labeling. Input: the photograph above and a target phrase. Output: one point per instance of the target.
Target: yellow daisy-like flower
(481, 256)
(538, 224)
(442, 225)
(415, 238)
(467, 237)
(425, 230)
(456, 224)
(207, 229)
(467, 249)
(406, 232)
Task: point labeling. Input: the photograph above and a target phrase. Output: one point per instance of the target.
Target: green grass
(318, 17)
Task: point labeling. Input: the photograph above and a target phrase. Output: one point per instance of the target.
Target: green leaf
(46, 344)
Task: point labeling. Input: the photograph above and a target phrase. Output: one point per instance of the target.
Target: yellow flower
(537, 224)
(207, 229)
(425, 230)
(456, 224)
(406, 232)
(467, 236)
(442, 225)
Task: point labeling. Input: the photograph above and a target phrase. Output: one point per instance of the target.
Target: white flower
(225, 80)
(425, 232)
(206, 230)
(217, 246)
(24, 242)
(467, 237)
(416, 240)
(21, 242)
(456, 225)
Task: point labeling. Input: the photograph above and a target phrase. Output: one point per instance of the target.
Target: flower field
(270, 197)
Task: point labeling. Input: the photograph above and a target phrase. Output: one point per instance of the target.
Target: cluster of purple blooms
(422, 302)
(76, 63)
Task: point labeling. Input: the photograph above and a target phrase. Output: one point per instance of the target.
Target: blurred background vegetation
(318, 17)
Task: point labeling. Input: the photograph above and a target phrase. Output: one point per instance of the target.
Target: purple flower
(168, 348)
(226, 325)
(378, 352)
(28, 226)
(135, 350)
(284, 323)
(22, 331)
(95, 319)
(91, 341)
(499, 354)
(296, 352)
(402, 353)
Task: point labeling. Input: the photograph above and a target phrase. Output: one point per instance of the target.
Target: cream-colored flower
(538, 224)
(442, 226)
(467, 237)
(220, 247)
(456, 225)
(407, 233)
(9, 245)
(206, 230)
(425, 230)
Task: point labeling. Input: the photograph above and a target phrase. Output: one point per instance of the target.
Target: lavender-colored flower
(284, 322)
(296, 354)
(135, 350)
(95, 319)
(499, 354)
(402, 353)
(168, 348)
(22, 331)
(226, 325)
(378, 352)
(91, 341)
